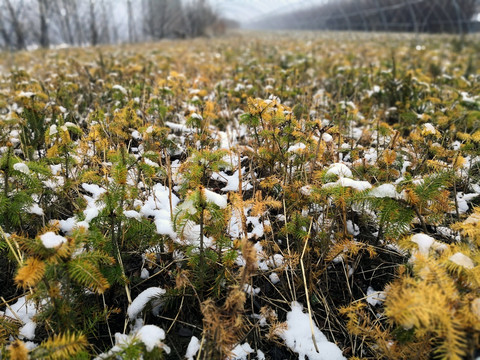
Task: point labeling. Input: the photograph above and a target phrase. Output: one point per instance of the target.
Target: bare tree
(161, 18)
(93, 24)
(42, 12)
(131, 23)
(199, 18)
(7, 39)
(16, 24)
(105, 28)
(62, 12)
(78, 22)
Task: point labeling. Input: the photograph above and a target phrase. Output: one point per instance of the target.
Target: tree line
(26, 23)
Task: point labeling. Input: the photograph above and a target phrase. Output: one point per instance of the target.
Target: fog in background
(45, 23)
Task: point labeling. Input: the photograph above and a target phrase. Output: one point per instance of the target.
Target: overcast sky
(246, 10)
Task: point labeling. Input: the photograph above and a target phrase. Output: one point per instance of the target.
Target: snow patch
(193, 347)
(139, 303)
(274, 278)
(217, 199)
(424, 243)
(22, 167)
(24, 311)
(339, 169)
(51, 240)
(120, 88)
(132, 214)
(35, 209)
(375, 297)
(241, 352)
(346, 182)
(298, 337)
(152, 337)
(384, 190)
(296, 147)
(462, 260)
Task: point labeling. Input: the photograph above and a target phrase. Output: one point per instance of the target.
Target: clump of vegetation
(187, 203)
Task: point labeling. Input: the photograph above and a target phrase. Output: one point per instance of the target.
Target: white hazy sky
(246, 10)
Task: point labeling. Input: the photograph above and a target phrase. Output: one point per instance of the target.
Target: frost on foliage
(139, 303)
(23, 311)
(298, 337)
(51, 240)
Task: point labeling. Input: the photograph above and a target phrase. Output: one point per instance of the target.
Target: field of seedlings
(256, 196)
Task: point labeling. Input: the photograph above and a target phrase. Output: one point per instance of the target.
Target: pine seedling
(58, 272)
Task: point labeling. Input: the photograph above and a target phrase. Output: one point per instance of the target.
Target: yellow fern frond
(88, 275)
(414, 303)
(470, 227)
(8, 327)
(65, 250)
(453, 346)
(61, 346)
(389, 157)
(30, 273)
(18, 351)
(346, 246)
